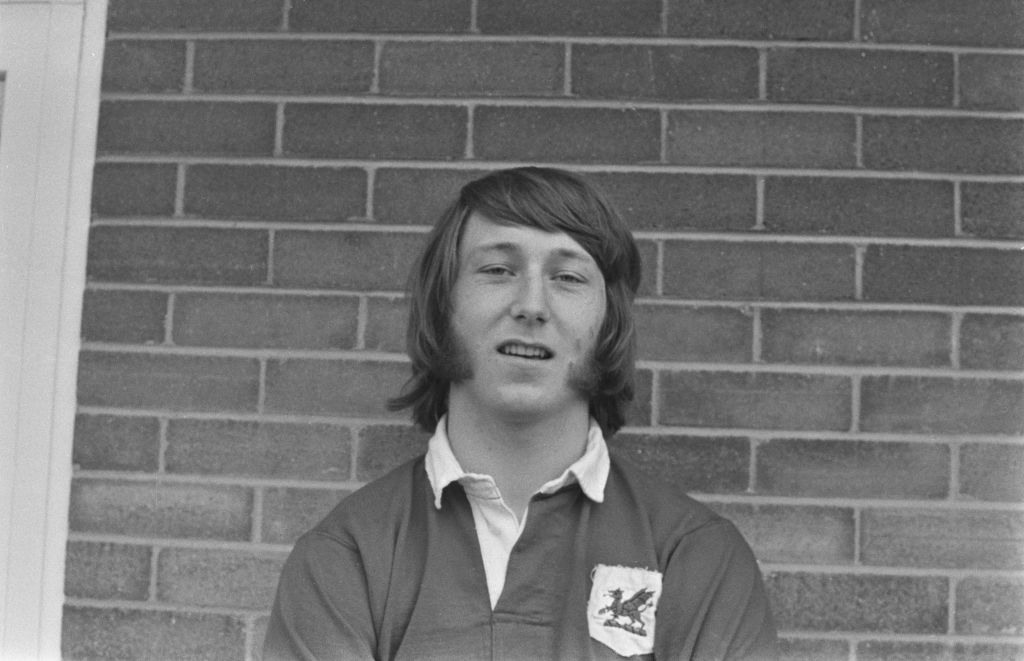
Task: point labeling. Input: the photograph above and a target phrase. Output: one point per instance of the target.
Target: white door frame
(51, 53)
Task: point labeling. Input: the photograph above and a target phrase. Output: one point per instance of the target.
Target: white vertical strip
(52, 55)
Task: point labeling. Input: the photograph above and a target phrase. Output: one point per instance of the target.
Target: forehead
(482, 235)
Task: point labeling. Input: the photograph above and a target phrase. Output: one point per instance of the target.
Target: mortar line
(371, 201)
(755, 447)
(169, 319)
(756, 341)
(956, 80)
(659, 271)
(256, 527)
(859, 251)
(162, 445)
(958, 208)
(762, 74)
(663, 136)
(856, 20)
(362, 320)
(279, 129)
(655, 397)
(759, 183)
(954, 339)
(261, 391)
(858, 534)
(271, 239)
(154, 569)
(474, 17)
(470, 117)
(858, 141)
(856, 383)
(567, 73)
(378, 50)
(179, 190)
(955, 448)
(188, 84)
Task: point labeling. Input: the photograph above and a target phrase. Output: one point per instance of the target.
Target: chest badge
(621, 609)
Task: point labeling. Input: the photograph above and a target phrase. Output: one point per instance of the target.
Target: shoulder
(672, 514)
(377, 506)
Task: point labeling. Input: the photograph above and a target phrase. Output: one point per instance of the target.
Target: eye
(496, 269)
(569, 277)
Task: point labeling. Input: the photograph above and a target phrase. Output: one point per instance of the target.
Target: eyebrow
(509, 247)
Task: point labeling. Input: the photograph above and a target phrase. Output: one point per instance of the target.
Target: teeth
(524, 351)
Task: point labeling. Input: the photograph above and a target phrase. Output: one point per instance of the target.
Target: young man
(520, 535)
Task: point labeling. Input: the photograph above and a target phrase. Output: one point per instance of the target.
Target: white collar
(590, 470)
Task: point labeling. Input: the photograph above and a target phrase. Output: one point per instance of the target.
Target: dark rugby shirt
(386, 575)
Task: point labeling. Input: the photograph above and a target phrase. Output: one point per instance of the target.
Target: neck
(520, 455)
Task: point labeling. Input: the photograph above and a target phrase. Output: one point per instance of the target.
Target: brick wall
(829, 198)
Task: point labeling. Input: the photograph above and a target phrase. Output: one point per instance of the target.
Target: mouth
(527, 351)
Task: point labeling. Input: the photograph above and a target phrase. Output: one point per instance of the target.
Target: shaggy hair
(552, 201)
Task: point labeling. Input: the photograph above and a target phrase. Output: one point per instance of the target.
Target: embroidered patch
(620, 612)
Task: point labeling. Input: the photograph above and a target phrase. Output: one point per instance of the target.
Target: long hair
(552, 201)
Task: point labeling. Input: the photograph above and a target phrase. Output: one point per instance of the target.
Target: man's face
(528, 308)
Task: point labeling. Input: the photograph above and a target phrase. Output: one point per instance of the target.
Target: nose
(531, 300)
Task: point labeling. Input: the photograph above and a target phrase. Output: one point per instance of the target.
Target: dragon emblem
(625, 614)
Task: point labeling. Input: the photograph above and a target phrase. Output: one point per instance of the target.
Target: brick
(639, 411)
(232, 579)
(787, 534)
(472, 69)
(990, 606)
(992, 342)
(855, 338)
(961, 539)
(860, 77)
(858, 602)
(416, 197)
(386, 322)
(130, 317)
(133, 189)
(146, 635)
(171, 15)
(919, 404)
(266, 65)
(884, 650)
(952, 276)
(665, 72)
(693, 334)
(262, 449)
(946, 22)
(852, 469)
(444, 16)
(987, 652)
(333, 387)
(186, 127)
(160, 510)
(861, 207)
(759, 271)
(655, 201)
(168, 382)
(107, 571)
(109, 442)
(287, 513)
(754, 400)
(322, 130)
(702, 465)
(346, 260)
(705, 137)
(944, 144)
(143, 66)
(275, 193)
(991, 82)
(572, 17)
(992, 472)
(803, 20)
(993, 211)
(384, 447)
(266, 321)
(649, 266)
(602, 135)
(177, 255)
(813, 649)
